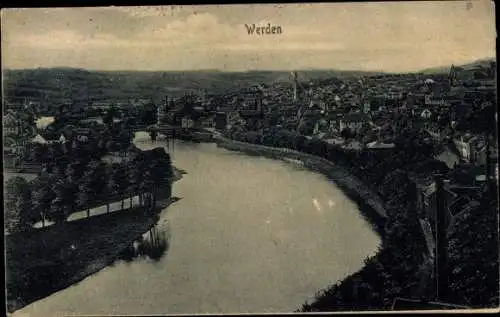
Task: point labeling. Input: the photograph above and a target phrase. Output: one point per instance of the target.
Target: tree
(162, 173)
(86, 187)
(121, 179)
(42, 196)
(99, 180)
(253, 137)
(347, 134)
(113, 184)
(40, 153)
(62, 203)
(474, 236)
(124, 139)
(18, 213)
(102, 146)
(135, 176)
(298, 142)
(109, 116)
(111, 146)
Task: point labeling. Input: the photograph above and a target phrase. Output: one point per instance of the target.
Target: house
(39, 139)
(465, 145)
(183, 113)
(353, 145)
(457, 199)
(11, 124)
(43, 122)
(460, 206)
(187, 122)
(478, 153)
(62, 139)
(252, 110)
(233, 118)
(426, 114)
(208, 122)
(380, 145)
(353, 121)
(82, 134)
(92, 121)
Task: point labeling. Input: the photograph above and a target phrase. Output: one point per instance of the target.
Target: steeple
(453, 75)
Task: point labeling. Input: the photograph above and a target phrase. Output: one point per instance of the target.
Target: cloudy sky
(400, 36)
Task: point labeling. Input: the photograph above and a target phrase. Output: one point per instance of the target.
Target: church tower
(453, 76)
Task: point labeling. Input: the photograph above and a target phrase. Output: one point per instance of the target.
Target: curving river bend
(249, 234)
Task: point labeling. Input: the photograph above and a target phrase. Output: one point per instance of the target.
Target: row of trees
(83, 185)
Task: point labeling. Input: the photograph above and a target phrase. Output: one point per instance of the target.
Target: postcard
(250, 158)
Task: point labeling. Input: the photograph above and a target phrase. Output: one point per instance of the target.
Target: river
(249, 234)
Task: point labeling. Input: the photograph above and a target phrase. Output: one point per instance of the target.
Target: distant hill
(446, 69)
(57, 84)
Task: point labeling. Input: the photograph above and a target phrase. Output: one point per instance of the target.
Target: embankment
(370, 203)
(48, 260)
(43, 261)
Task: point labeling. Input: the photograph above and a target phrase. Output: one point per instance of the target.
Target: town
(426, 144)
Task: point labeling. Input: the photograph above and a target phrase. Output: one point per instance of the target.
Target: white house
(44, 122)
(380, 145)
(39, 139)
(466, 146)
(187, 123)
(62, 139)
(426, 114)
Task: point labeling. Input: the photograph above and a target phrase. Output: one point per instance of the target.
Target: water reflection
(153, 244)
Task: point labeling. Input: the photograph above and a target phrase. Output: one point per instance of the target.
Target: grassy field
(44, 261)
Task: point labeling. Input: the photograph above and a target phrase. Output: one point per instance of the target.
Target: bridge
(172, 132)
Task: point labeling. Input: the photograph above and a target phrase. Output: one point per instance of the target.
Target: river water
(249, 234)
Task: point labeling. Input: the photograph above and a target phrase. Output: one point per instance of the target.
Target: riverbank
(379, 281)
(370, 204)
(48, 260)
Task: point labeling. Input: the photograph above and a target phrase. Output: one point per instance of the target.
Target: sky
(378, 36)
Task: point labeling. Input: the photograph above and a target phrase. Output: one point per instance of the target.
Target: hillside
(445, 69)
(58, 84)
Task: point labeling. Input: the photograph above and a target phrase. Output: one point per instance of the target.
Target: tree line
(82, 184)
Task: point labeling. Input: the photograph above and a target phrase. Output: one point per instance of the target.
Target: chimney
(441, 265)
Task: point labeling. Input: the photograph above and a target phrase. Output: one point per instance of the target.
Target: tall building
(295, 92)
